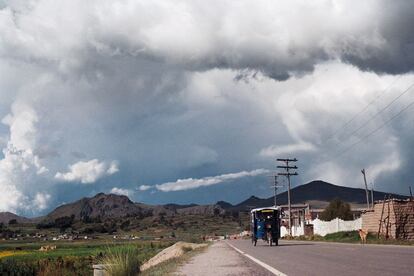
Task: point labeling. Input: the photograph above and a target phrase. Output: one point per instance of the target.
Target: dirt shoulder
(220, 259)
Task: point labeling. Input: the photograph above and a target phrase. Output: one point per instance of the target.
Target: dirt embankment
(174, 251)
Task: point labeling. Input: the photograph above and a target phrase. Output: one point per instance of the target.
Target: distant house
(305, 213)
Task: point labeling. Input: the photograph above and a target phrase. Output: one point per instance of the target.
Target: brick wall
(371, 219)
(404, 215)
(398, 217)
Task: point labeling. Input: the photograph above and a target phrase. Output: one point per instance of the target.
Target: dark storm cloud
(284, 39)
(395, 53)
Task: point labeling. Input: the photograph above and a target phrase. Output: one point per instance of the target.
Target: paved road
(311, 258)
(218, 260)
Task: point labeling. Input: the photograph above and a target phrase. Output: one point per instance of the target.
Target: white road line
(262, 264)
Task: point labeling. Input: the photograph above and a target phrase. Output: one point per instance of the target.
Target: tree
(64, 222)
(337, 209)
(12, 221)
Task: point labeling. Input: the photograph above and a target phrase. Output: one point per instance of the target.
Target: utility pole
(411, 194)
(288, 173)
(372, 196)
(366, 187)
(275, 186)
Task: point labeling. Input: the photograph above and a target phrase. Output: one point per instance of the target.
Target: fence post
(337, 224)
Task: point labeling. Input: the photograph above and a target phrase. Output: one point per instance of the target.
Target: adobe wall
(404, 215)
(401, 221)
(371, 219)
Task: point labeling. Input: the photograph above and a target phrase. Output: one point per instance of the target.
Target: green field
(74, 258)
(21, 256)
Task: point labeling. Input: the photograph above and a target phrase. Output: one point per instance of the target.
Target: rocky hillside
(108, 206)
(202, 210)
(6, 217)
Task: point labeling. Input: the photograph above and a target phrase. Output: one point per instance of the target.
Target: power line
(275, 186)
(382, 110)
(339, 130)
(375, 130)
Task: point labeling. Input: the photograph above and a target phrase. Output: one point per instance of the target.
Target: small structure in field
(46, 248)
(391, 218)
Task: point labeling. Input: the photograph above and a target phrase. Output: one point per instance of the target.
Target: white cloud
(144, 187)
(121, 191)
(19, 165)
(11, 199)
(88, 171)
(273, 150)
(390, 163)
(41, 201)
(22, 126)
(191, 183)
(113, 168)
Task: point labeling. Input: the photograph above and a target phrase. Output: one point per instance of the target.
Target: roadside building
(315, 213)
(305, 213)
(298, 214)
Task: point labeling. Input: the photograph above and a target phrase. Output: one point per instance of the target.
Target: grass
(121, 261)
(9, 253)
(153, 234)
(70, 258)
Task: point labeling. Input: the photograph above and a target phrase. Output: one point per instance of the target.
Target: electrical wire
(375, 130)
(339, 130)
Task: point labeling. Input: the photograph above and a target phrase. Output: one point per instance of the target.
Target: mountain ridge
(102, 206)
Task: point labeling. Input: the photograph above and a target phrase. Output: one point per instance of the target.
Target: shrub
(121, 260)
(124, 225)
(14, 267)
(48, 266)
(337, 209)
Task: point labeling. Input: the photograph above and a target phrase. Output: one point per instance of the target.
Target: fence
(322, 228)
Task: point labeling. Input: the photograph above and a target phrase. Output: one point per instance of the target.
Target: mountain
(175, 207)
(111, 206)
(102, 206)
(5, 217)
(317, 194)
(202, 210)
(224, 204)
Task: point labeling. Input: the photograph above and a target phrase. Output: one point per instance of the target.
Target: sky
(193, 101)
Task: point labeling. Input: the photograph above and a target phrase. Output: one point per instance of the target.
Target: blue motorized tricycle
(265, 225)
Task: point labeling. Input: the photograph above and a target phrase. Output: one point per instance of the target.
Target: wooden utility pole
(288, 173)
(372, 196)
(275, 186)
(366, 187)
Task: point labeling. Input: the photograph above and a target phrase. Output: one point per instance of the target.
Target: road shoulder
(221, 259)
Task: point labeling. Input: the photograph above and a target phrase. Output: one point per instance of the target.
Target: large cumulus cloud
(189, 89)
(279, 38)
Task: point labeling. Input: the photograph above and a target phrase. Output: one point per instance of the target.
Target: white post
(337, 224)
